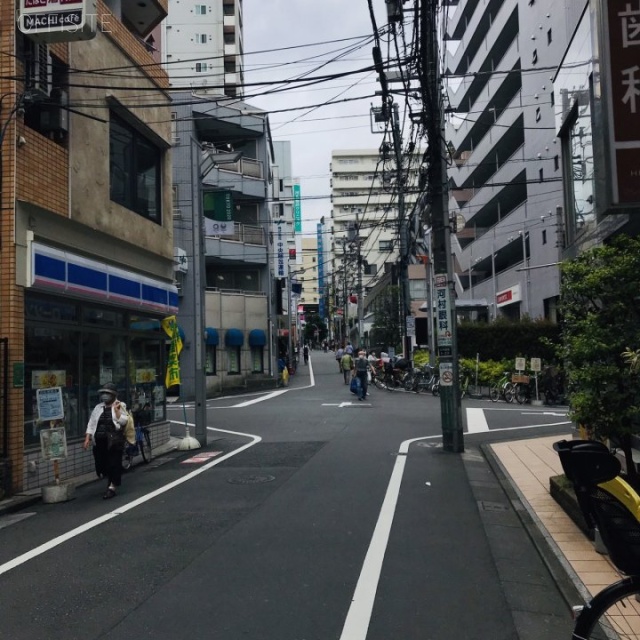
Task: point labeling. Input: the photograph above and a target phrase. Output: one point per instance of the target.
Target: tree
(600, 307)
(314, 323)
(385, 331)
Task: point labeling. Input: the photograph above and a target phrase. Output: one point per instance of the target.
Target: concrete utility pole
(447, 343)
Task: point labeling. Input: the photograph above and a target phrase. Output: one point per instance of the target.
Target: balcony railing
(246, 234)
(246, 167)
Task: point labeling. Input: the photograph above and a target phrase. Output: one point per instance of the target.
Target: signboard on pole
(47, 21)
(49, 402)
(411, 326)
(444, 324)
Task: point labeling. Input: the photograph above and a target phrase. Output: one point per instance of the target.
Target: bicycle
(502, 389)
(611, 505)
(142, 447)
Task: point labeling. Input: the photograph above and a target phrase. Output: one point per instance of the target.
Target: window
(229, 37)
(549, 36)
(541, 175)
(370, 269)
(201, 38)
(134, 170)
(257, 359)
(553, 99)
(201, 67)
(538, 114)
(233, 356)
(556, 162)
(544, 236)
(210, 360)
(385, 245)
(201, 10)
(534, 58)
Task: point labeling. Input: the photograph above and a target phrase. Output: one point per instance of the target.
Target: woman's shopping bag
(355, 385)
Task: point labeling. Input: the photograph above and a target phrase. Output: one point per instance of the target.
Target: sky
(313, 133)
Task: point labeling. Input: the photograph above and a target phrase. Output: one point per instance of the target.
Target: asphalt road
(314, 517)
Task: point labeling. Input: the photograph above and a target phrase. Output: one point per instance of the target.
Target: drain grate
(251, 479)
(493, 506)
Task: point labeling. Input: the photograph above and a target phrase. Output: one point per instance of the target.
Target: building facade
(203, 47)
(224, 192)
(506, 172)
(86, 235)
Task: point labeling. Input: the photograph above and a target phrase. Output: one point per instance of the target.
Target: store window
(233, 357)
(257, 359)
(81, 347)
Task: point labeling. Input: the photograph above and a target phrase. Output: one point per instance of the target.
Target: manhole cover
(251, 479)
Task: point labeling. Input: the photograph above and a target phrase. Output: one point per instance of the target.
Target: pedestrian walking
(347, 367)
(305, 353)
(106, 428)
(339, 354)
(362, 368)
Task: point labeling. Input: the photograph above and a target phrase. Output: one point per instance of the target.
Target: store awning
(257, 338)
(234, 338)
(211, 337)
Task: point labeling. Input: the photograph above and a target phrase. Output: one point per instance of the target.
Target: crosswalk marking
(476, 422)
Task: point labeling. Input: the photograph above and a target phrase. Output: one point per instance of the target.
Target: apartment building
(203, 47)
(506, 174)
(86, 236)
(365, 215)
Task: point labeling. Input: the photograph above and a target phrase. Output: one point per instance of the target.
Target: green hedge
(504, 340)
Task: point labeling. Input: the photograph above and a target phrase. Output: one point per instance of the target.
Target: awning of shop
(257, 338)
(234, 338)
(211, 337)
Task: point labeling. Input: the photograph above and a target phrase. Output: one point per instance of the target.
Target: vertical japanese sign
(444, 325)
(217, 207)
(170, 326)
(321, 301)
(297, 209)
(279, 246)
(622, 29)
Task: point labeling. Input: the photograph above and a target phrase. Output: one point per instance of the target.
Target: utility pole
(452, 433)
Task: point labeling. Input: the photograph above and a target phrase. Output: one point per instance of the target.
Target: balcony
(144, 16)
(248, 244)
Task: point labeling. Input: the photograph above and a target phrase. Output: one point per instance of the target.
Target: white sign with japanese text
(444, 325)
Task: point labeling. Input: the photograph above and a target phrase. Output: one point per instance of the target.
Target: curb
(565, 578)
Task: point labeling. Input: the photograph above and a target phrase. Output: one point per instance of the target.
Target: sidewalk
(33, 496)
(529, 464)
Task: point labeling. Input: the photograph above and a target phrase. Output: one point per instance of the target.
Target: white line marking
(54, 542)
(358, 617)
(248, 403)
(476, 422)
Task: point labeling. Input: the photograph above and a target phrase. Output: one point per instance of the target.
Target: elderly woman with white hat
(106, 428)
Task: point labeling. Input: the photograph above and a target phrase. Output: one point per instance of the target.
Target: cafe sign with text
(49, 21)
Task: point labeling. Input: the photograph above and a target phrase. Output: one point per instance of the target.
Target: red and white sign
(622, 74)
(508, 296)
(199, 458)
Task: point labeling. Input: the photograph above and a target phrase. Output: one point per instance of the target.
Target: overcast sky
(275, 24)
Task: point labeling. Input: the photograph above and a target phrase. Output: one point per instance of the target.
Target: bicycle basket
(619, 528)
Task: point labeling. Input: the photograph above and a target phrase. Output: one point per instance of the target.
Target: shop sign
(18, 375)
(44, 379)
(297, 209)
(279, 259)
(622, 35)
(47, 21)
(508, 296)
(53, 443)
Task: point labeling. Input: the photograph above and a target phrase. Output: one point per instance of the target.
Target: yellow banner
(170, 326)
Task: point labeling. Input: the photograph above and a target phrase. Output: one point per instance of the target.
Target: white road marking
(358, 617)
(476, 422)
(87, 526)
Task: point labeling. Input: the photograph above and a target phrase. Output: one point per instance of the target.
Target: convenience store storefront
(87, 323)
